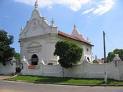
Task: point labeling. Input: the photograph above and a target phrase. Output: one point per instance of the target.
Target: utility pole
(105, 61)
(104, 47)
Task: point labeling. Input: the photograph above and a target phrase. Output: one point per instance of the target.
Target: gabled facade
(38, 39)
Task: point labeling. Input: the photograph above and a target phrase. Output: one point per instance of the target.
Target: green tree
(69, 53)
(17, 56)
(6, 51)
(120, 52)
(111, 55)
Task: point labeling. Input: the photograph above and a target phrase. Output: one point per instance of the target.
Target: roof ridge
(73, 37)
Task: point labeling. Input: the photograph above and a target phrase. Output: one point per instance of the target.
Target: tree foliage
(17, 56)
(6, 51)
(111, 55)
(69, 53)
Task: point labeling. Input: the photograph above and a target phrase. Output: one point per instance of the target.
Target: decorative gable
(36, 26)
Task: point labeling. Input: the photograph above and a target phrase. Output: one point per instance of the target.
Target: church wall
(84, 70)
(45, 49)
(87, 52)
(87, 70)
(98, 70)
(49, 52)
(120, 68)
(82, 45)
(52, 70)
(50, 48)
(7, 69)
(28, 51)
(43, 70)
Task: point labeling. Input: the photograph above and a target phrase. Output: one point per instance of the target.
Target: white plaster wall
(52, 70)
(46, 50)
(26, 71)
(41, 53)
(98, 70)
(76, 71)
(87, 70)
(120, 68)
(43, 70)
(49, 51)
(7, 69)
(84, 70)
(87, 53)
(81, 45)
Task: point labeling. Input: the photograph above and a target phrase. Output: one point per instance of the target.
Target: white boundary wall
(7, 69)
(84, 70)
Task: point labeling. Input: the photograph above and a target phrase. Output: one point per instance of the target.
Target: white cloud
(101, 6)
(89, 10)
(75, 5)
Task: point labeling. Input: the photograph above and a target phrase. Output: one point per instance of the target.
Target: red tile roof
(73, 38)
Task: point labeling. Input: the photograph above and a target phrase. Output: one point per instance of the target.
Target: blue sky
(90, 16)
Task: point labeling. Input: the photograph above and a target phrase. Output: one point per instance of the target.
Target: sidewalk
(3, 77)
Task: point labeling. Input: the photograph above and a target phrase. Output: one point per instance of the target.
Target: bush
(69, 53)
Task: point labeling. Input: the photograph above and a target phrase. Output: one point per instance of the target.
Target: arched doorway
(34, 59)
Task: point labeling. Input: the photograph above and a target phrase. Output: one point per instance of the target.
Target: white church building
(37, 43)
(38, 39)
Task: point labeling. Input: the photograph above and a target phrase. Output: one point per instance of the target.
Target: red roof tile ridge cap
(74, 37)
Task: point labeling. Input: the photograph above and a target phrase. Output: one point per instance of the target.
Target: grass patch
(67, 81)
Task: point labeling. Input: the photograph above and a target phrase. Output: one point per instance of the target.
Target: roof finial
(36, 4)
(75, 32)
(74, 27)
(52, 22)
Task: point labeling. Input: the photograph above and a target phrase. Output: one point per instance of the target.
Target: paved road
(27, 87)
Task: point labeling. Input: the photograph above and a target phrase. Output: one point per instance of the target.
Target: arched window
(34, 59)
